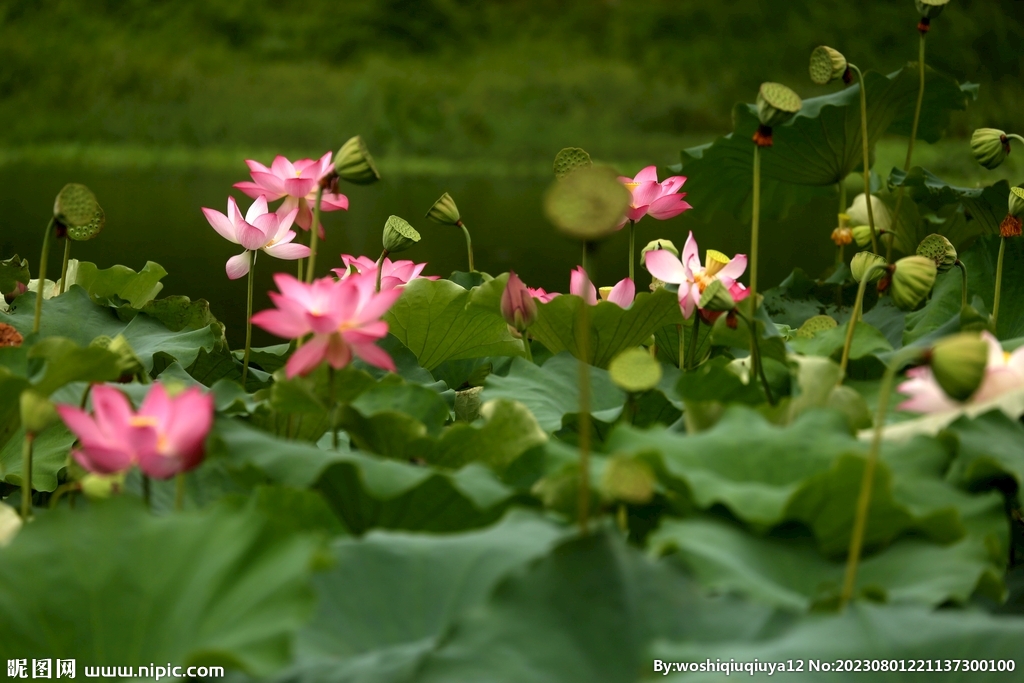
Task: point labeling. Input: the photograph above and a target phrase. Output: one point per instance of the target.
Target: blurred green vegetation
(507, 80)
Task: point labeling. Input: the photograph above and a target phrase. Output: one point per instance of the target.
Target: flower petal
(623, 293)
(667, 207)
(258, 208)
(288, 251)
(307, 357)
(735, 267)
(221, 224)
(647, 175)
(237, 266)
(663, 265)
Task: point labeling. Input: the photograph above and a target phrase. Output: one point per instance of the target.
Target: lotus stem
(583, 346)
(314, 237)
(755, 358)
(632, 244)
(868, 479)
(755, 222)
(60, 492)
(26, 475)
(528, 352)
(1015, 137)
(179, 491)
(585, 258)
(999, 285)
(866, 155)
(913, 135)
(380, 266)
(248, 319)
(42, 276)
(963, 277)
(851, 326)
(64, 268)
(469, 245)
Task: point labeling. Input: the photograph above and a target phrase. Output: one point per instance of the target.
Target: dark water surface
(154, 215)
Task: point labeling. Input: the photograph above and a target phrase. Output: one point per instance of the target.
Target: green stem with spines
(314, 238)
(469, 245)
(42, 276)
(380, 266)
(248, 318)
(851, 326)
(867, 480)
(147, 492)
(64, 268)
(913, 136)
(528, 352)
(999, 285)
(632, 243)
(26, 475)
(866, 156)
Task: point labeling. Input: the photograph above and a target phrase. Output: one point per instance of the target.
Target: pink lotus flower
(393, 273)
(296, 183)
(658, 200)
(692, 278)
(621, 294)
(342, 315)
(517, 305)
(259, 229)
(164, 438)
(540, 295)
(1005, 371)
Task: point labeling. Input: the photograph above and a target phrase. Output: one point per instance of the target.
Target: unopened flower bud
(517, 305)
(929, 9)
(76, 212)
(354, 163)
(102, 485)
(444, 211)
(569, 159)
(858, 213)
(19, 289)
(958, 363)
(862, 263)
(990, 147)
(776, 104)
(37, 411)
(827, 65)
(634, 370)
(912, 279)
(716, 297)
(654, 245)
(938, 249)
(399, 235)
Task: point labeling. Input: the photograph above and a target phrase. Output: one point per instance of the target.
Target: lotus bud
(587, 204)
(858, 213)
(37, 411)
(1011, 225)
(990, 147)
(627, 480)
(912, 279)
(102, 485)
(517, 306)
(938, 249)
(958, 363)
(716, 297)
(9, 297)
(776, 104)
(399, 235)
(654, 245)
(10, 524)
(929, 9)
(354, 163)
(634, 370)
(444, 211)
(569, 159)
(863, 262)
(76, 213)
(9, 336)
(827, 65)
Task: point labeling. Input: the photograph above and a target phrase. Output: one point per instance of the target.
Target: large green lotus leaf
(713, 381)
(12, 383)
(509, 429)
(867, 342)
(179, 313)
(791, 573)
(864, 632)
(980, 260)
(798, 298)
(12, 272)
(820, 147)
(49, 456)
(432, 319)
(391, 596)
(613, 329)
(75, 316)
(113, 585)
(666, 339)
(991, 451)
(587, 611)
(551, 391)
(941, 313)
(119, 284)
(64, 361)
(366, 491)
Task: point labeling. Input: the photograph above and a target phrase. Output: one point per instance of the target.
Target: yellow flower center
(150, 421)
(702, 280)
(631, 185)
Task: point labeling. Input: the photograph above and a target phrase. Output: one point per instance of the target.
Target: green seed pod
(654, 245)
(399, 235)
(816, 325)
(627, 480)
(990, 147)
(862, 262)
(776, 104)
(716, 297)
(37, 411)
(1016, 202)
(971, 320)
(912, 278)
(587, 204)
(102, 485)
(958, 363)
(76, 211)
(569, 159)
(862, 235)
(827, 65)
(938, 249)
(354, 163)
(929, 9)
(634, 370)
(444, 211)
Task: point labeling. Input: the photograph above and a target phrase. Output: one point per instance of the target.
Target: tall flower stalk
(43, 257)
(1011, 226)
(866, 154)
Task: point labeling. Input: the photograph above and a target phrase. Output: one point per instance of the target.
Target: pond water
(154, 215)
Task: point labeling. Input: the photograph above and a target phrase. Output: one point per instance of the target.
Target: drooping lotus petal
(238, 266)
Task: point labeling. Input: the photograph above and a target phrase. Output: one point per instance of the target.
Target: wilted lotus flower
(393, 273)
(651, 198)
(692, 278)
(259, 229)
(297, 184)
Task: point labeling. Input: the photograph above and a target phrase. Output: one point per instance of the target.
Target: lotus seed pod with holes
(827, 65)
(990, 147)
(627, 480)
(912, 278)
(76, 208)
(588, 204)
(816, 325)
(858, 213)
(862, 262)
(959, 362)
(444, 211)
(654, 245)
(716, 297)
(634, 370)
(37, 411)
(570, 159)
(776, 104)
(938, 249)
(929, 9)
(399, 235)
(82, 233)
(102, 485)
(354, 163)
